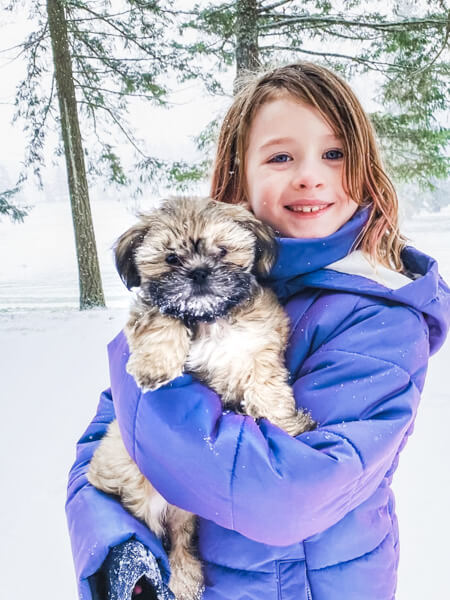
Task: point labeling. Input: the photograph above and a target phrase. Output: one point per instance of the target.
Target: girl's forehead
(280, 120)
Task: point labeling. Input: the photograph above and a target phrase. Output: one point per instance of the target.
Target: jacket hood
(313, 263)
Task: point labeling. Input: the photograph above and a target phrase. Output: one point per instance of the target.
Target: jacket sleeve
(362, 385)
(97, 521)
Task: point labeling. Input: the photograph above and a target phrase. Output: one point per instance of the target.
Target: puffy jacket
(281, 517)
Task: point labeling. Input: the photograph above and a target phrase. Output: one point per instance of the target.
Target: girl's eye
(172, 259)
(333, 154)
(280, 158)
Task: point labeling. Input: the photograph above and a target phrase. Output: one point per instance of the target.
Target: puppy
(200, 308)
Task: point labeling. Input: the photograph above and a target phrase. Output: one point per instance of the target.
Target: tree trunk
(91, 293)
(247, 52)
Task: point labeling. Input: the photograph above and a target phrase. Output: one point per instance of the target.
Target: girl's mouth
(308, 211)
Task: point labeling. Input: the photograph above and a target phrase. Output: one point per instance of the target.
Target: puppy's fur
(201, 309)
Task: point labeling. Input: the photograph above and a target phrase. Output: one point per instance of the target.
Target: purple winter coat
(284, 518)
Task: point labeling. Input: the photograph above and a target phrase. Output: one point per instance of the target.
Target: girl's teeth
(306, 208)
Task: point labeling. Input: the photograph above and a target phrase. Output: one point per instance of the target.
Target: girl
(282, 517)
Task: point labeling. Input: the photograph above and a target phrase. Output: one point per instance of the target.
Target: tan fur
(240, 355)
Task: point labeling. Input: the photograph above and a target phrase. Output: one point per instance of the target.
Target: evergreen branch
(123, 33)
(35, 49)
(27, 101)
(95, 71)
(126, 133)
(6, 208)
(175, 13)
(101, 57)
(282, 20)
(215, 47)
(32, 42)
(91, 110)
(118, 58)
(443, 47)
(80, 64)
(264, 9)
(358, 38)
(27, 44)
(113, 66)
(158, 57)
(83, 20)
(47, 109)
(4, 50)
(364, 61)
(91, 106)
(115, 92)
(38, 127)
(321, 28)
(108, 34)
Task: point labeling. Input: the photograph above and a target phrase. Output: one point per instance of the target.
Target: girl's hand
(131, 573)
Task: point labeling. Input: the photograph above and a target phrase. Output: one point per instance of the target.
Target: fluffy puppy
(200, 308)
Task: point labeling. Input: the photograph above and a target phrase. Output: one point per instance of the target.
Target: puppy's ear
(125, 253)
(266, 247)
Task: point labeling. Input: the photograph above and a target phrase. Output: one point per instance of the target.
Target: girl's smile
(294, 171)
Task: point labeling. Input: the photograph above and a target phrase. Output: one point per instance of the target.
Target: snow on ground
(54, 366)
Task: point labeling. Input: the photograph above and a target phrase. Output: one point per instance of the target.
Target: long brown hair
(364, 179)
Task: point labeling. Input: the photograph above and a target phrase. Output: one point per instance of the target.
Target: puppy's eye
(222, 251)
(172, 259)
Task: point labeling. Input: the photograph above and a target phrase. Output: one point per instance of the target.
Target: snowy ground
(54, 366)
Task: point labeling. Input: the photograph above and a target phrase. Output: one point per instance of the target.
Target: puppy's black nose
(199, 275)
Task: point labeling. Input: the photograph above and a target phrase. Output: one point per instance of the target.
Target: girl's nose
(307, 176)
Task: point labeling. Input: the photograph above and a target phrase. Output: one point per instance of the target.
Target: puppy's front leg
(159, 345)
(275, 401)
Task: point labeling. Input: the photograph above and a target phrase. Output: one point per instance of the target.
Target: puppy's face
(195, 259)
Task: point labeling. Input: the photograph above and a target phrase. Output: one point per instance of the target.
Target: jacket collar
(302, 264)
(300, 256)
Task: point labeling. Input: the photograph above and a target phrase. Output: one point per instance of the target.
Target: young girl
(283, 517)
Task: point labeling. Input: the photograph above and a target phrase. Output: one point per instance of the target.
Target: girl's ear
(125, 253)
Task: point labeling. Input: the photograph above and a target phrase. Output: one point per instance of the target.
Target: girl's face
(294, 171)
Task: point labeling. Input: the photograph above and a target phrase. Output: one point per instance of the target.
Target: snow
(54, 367)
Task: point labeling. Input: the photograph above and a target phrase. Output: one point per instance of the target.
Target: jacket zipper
(308, 590)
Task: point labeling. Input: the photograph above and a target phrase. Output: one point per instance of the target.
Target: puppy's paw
(186, 580)
(97, 478)
(300, 423)
(101, 476)
(150, 374)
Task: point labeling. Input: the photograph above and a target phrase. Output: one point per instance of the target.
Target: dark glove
(130, 571)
